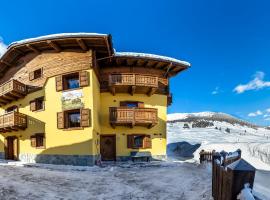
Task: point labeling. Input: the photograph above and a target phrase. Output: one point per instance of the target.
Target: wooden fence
(230, 173)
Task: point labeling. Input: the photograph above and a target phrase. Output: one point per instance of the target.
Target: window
(38, 140)
(37, 104)
(132, 104)
(35, 74)
(72, 81)
(73, 118)
(139, 141)
(12, 109)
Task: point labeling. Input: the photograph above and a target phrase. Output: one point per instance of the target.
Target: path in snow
(149, 181)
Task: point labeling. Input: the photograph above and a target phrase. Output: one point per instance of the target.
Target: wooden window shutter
(33, 105)
(147, 142)
(33, 141)
(85, 117)
(59, 83)
(130, 141)
(140, 105)
(31, 75)
(60, 120)
(84, 79)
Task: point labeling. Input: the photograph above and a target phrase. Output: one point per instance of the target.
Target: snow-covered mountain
(208, 117)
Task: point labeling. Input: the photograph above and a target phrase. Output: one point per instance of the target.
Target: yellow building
(71, 99)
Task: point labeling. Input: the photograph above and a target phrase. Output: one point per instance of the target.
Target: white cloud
(267, 119)
(3, 47)
(255, 84)
(216, 91)
(268, 110)
(255, 114)
(266, 115)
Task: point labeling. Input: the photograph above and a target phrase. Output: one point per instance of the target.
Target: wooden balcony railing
(121, 116)
(12, 90)
(134, 83)
(13, 121)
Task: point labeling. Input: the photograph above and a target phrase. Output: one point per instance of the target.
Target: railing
(133, 116)
(133, 80)
(13, 86)
(13, 120)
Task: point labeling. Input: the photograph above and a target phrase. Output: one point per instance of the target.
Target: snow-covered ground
(155, 180)
(254, 143)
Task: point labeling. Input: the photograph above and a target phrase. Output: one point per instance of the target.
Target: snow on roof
(151, 56)
(58, 35)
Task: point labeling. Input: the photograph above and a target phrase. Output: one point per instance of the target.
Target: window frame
(65, 83)
(132, 146)
(68, 122)
(36, 101)
(36, 139)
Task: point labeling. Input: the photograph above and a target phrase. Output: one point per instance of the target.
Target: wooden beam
(151, 91)
(132, 90)
(29, 46)
(19, 51)
(6, 63)
(82, 44)
(112, 89)
(130, 62)
(55, 46)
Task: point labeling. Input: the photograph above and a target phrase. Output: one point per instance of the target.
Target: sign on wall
(72, 100)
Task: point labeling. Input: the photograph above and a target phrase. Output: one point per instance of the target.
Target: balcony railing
(13, 121)
(12, 90)
(133, 83)
(121, 116)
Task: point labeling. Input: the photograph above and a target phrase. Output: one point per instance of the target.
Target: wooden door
(108, 147)
(11, 148)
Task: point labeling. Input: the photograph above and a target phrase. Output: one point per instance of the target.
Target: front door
(11, 148)
(108, 147)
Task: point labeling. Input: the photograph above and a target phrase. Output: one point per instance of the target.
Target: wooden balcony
(123, 116)
(133, 83)
(12, 121)
(12, 90)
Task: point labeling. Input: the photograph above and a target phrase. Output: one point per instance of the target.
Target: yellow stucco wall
(58, 141)
(158, 132)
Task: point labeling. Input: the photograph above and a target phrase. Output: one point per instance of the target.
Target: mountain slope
(208, 117)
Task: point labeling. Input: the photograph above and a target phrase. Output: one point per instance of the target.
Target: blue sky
(227, 42)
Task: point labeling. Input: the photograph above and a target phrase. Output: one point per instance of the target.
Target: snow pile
(246, 194)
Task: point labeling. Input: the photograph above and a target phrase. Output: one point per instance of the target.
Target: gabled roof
(101, 43)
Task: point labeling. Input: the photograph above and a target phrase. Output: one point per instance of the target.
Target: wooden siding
(13, 121)
(52, 64)
(121, 116)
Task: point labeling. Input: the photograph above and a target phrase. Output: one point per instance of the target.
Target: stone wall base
(78, 160)
(153, 158)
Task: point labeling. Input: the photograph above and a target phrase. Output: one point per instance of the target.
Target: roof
(101, 43)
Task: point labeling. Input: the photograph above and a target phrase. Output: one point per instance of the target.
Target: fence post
(239, 173)
(201, 156)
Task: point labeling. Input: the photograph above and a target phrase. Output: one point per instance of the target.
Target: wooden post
(201, 156)
(239, 173)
